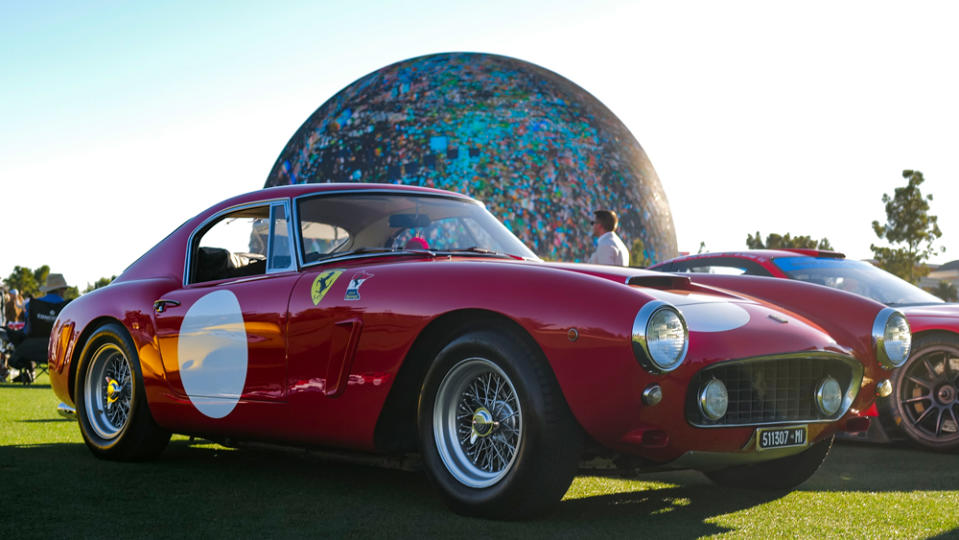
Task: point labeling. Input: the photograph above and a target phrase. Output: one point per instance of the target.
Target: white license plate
(780, 437)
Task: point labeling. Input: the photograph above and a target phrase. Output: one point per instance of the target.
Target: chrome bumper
(67, 411)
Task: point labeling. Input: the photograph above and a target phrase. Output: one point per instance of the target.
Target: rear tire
(924, 404)
(497, 437)
(775, 475)
(114, 418)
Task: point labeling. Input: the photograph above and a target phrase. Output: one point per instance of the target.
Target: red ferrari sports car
(391, 320)
(924, 405)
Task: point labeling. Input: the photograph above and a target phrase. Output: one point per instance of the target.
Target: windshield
(857, 277)
(335, 225)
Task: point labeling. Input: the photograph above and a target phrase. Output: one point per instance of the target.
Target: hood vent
(664, 281)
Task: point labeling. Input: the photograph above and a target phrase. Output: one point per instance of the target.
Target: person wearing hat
(39, 316)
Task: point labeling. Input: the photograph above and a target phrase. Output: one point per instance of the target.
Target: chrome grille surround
(775, 389)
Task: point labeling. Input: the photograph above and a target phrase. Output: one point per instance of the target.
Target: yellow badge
(322, 284)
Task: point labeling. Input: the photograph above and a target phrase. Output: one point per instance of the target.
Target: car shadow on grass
(32, 386)
(199, 489)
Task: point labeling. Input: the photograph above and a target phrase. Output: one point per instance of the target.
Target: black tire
(775, 475)
(924, 404)
(111, 404)
(516, 459)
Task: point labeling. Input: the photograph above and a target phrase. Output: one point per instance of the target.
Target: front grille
(774, 390)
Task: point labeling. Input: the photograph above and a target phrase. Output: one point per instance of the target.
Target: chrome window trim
(855, 384)
(879, 337)
(216, 216)
(298, 248)
(641, 347)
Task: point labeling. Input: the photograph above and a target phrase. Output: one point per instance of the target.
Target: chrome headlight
(829, 396)
(892, 337)
(714, 400)
(660, 337)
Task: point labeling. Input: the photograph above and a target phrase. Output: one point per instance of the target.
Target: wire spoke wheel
(477, 422)
(928, 396)
(108, 391)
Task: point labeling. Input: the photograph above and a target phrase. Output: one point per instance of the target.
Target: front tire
(775, 475)
(497, 437)
(114, 418)
(924, 404)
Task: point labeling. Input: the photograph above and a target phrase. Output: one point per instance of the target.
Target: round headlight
(713, 400)
(829, 396)
(892, 337)
(660, 337)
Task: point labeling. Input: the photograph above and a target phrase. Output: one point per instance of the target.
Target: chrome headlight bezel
(640, 337)
(829, 396)
(714, 390)
(887, 322)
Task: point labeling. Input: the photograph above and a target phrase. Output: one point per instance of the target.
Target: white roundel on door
(212, 353)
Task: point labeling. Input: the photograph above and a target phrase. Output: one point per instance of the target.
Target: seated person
(40, 314)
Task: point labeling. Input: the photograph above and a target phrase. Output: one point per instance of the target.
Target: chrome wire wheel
(477, 422)
(928, 396)
(108, 391)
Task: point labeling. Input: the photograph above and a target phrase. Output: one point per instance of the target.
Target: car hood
(950, 311)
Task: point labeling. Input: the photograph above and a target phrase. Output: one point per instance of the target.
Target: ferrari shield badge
(322, 284)
(353, 290)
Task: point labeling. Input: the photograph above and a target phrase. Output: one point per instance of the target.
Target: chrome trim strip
(189, 244)
(855, 384)
(298, 248)
(641, 347)
(879, 336)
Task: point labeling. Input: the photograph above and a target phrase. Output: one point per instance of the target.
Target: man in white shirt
(610, 249)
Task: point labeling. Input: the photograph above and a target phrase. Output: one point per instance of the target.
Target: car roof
(760, 255)
(297, 190)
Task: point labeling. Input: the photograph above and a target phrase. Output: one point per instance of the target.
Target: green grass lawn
(53, 487)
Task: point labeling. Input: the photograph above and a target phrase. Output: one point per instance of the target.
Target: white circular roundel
(714, 317)
(212, 353)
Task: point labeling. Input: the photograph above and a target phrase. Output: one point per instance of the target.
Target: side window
(729, 266)
(233, 246)
(320, 239)
(712, 269)
(281, 249)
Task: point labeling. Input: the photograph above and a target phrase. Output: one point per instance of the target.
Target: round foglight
(660, 337)
(714, 400)
(829, 396)
(892, 337)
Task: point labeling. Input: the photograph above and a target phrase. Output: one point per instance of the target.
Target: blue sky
(124, 119)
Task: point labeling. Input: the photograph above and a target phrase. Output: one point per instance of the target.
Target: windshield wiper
(478, 250)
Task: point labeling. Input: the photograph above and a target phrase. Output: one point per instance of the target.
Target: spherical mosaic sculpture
(540, 151)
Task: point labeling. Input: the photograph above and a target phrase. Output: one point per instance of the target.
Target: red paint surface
(320, 373)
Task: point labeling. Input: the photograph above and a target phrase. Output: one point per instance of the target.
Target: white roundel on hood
(714, 316)
(212, 353)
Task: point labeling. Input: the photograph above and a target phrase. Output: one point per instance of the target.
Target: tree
(776, 241)
(29, 282)
(102, 282)
(637, 254)
(907, 223)
(24, 280)
(945, 290)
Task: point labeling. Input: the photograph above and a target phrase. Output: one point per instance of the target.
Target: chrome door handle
(160, 305)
